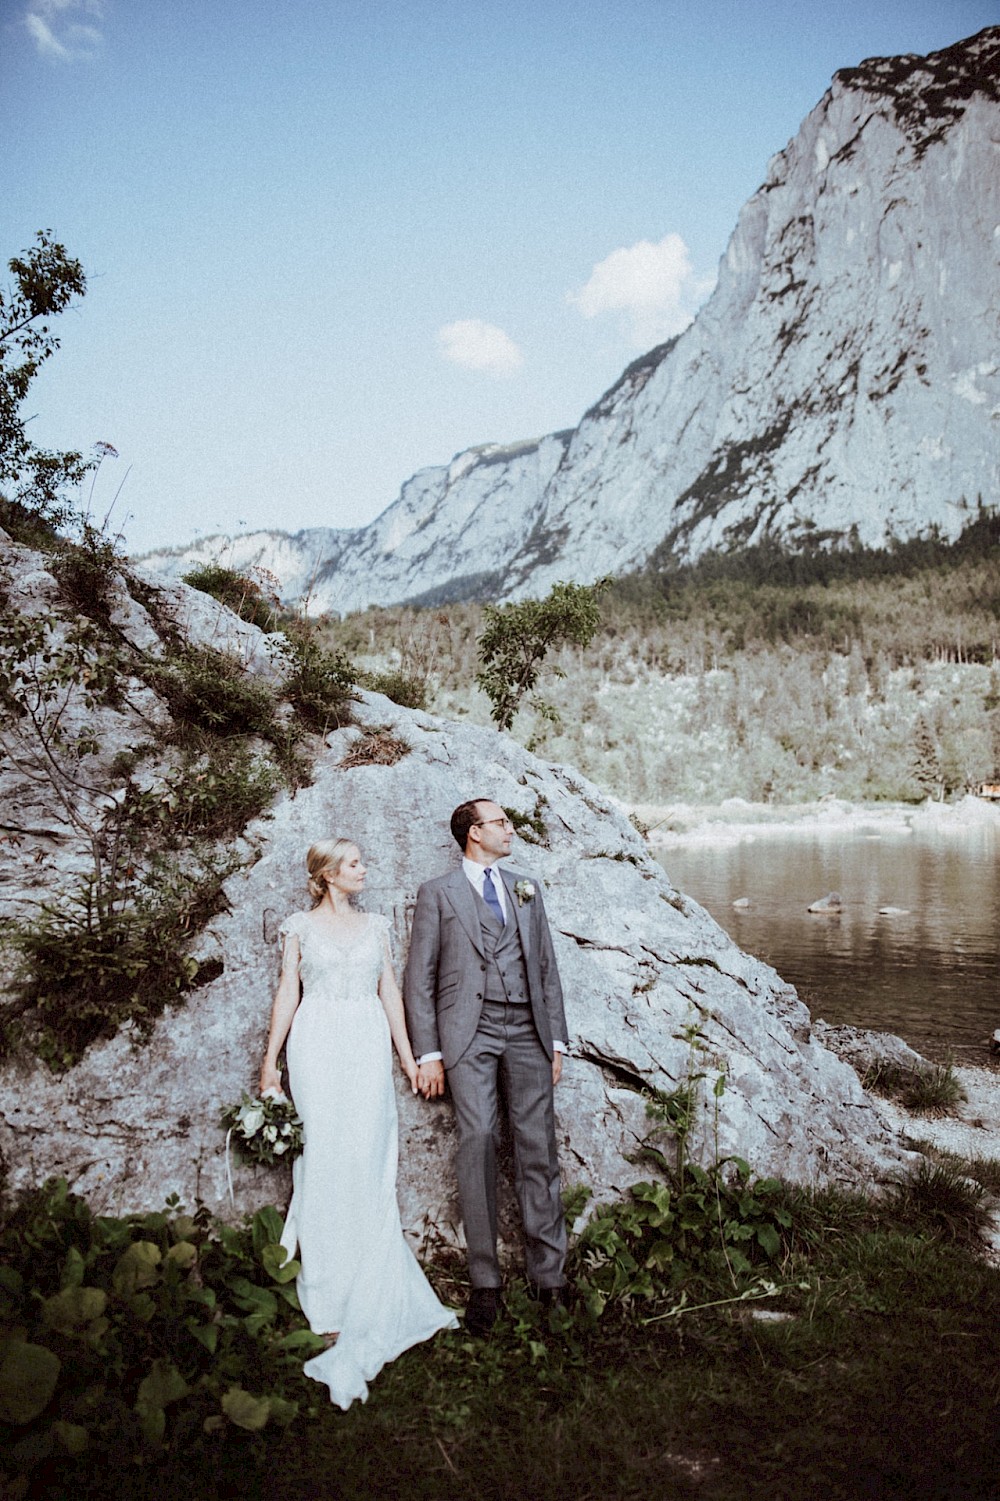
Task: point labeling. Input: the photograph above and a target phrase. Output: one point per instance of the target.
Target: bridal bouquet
(263, 1129)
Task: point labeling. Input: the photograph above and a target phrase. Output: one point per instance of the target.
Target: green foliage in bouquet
(264, 1130)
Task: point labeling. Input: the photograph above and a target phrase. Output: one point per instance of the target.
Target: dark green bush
(128, 1338)
(239, 592)
(403, 688)
(210, 795)
(212, 690)
(321, 684)
(111, 951)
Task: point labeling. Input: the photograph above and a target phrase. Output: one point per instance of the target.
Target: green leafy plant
(321, 684)
(243, 593)
(209, 794)
(517, 637)
(109, 951)
(34, 480)
(126, 1338)
(405, 689)
(679, 1235)
(212, 690)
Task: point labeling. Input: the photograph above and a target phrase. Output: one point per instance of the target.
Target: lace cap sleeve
(292, 927)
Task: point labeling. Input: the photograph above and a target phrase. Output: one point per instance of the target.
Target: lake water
(928, 972)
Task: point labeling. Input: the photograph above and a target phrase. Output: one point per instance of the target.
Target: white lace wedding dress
(358, 1277)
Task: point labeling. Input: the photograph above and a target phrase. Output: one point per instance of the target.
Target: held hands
(430, 1079)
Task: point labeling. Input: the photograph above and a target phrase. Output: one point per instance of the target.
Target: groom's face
(495, 832)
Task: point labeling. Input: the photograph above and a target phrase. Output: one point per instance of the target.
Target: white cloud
(57, 30)
(653, 286)
(479, 346)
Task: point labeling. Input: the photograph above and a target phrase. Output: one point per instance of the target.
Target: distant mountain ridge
(841, 383)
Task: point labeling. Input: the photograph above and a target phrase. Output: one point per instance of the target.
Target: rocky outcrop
(50, 795)
(656, 993)
(842, 383)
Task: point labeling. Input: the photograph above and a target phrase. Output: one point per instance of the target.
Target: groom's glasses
(504, 823)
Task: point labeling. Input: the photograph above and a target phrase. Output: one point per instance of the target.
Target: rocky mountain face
(656, 991)
(842, 382)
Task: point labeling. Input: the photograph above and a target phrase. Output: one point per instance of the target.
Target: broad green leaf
(282, 1411)
(267, 1228)
(277, 1264)
(255, 1322)
(245, 1410)
(661, 1254)
(164, 1384)
(71, 1437)
(205, 1334)
(259, 1300)
(138, 1267)
(74, 1308)
(303, 1339)
(73, 1268)
(28, 1376)
(183, 1255)
(767, 1236)
(153, 1422)
(143, 1306)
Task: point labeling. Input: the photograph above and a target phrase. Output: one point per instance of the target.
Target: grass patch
(926, 1091)
(891, 1314)
(404, 688)
(982, 1170)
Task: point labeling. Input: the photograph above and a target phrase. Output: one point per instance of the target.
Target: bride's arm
(392, 1005)
(286, 1000)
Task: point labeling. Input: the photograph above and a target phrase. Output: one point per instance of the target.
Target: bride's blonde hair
(325, 859)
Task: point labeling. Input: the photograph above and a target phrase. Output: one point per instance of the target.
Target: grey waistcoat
(506, 978)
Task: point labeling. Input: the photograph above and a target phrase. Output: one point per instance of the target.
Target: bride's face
(350, 875)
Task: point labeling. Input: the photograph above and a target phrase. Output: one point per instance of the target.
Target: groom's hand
(430, 1079)
(556, 1068)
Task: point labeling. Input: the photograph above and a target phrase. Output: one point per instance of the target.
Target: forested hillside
(868, 674)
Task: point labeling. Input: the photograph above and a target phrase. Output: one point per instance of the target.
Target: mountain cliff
(841, 384)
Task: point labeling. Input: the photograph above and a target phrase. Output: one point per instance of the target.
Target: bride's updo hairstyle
(325, 859)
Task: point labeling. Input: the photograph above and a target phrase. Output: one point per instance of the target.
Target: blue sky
(331, 243)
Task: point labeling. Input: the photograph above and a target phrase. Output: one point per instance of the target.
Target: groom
(483, 998)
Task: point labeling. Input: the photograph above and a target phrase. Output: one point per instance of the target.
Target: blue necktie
(490, 895)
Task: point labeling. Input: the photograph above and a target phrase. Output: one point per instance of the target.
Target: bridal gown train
(358, 1277)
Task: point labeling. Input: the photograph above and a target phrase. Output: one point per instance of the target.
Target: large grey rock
(642, 966)
(841, 382)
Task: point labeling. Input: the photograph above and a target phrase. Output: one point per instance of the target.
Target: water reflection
(926, 970)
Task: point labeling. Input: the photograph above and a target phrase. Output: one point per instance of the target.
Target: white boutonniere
(524, 891)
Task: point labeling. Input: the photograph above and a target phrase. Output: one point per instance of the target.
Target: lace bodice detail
(340, 969)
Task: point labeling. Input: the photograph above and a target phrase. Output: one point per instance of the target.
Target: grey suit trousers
(506, 1044)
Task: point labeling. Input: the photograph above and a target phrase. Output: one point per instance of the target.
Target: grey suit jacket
(443, 983)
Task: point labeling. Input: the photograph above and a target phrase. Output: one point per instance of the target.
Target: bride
(360, 1284)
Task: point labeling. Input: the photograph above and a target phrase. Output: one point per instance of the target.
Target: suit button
(483, 968)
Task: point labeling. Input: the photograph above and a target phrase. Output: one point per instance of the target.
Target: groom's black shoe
(550, 1297)
(481, 1314)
